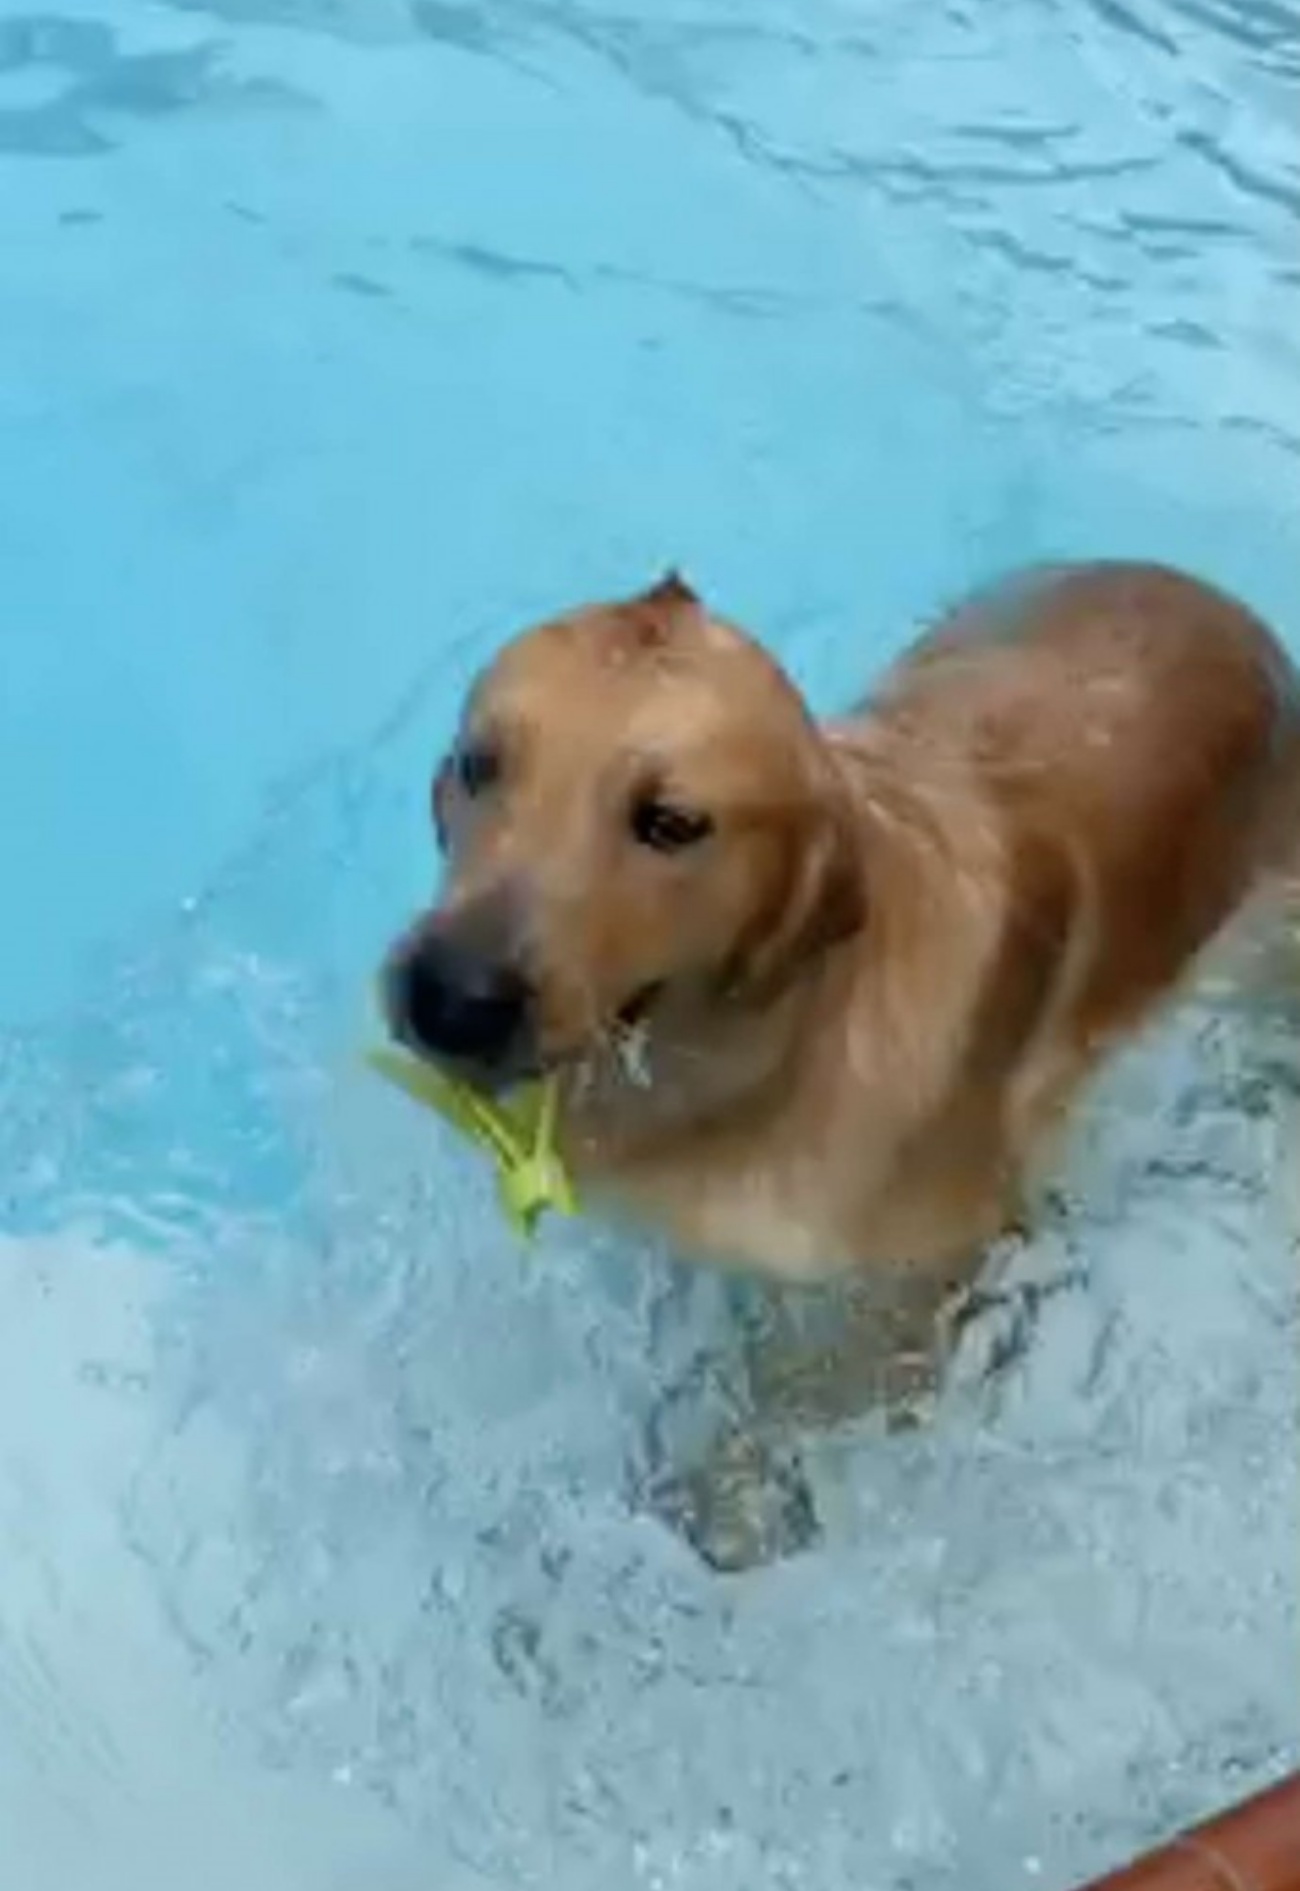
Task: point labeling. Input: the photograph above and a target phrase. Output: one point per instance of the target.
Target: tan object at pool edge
(1255, 1847)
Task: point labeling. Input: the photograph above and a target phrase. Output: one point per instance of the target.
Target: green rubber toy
(518, 1134)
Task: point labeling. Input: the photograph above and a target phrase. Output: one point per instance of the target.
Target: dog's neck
(691, 1063)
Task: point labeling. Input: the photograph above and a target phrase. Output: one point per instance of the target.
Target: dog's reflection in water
(724, 1462)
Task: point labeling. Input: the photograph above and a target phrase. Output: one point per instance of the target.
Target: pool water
(339, 337)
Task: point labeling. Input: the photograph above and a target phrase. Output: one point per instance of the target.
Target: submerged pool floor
(341, 336)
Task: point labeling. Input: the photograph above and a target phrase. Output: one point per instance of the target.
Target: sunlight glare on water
(340, 337)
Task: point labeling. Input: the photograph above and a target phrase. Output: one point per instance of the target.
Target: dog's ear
(672, 589)
(655, 617)
(821, 900)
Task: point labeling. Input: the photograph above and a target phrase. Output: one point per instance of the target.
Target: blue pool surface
(340, 337)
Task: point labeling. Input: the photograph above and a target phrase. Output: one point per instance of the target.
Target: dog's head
(638, 810)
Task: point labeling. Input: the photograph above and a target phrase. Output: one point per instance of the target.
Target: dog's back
(1133, 738)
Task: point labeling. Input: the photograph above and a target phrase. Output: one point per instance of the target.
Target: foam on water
(339, 344)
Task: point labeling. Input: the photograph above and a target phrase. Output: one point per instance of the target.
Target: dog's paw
(742, 1506)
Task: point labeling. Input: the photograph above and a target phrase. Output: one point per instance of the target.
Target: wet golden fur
(911, 934)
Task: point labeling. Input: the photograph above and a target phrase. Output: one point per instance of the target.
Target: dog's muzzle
(455, 1006)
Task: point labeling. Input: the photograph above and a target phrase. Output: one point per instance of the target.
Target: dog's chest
(779, 1217)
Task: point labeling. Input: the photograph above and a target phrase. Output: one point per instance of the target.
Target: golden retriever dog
(817, 995)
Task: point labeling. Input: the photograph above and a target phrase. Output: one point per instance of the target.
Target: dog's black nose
(453, 1005)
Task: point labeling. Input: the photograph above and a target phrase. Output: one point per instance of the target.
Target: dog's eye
(667, 829)
(478, 767)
